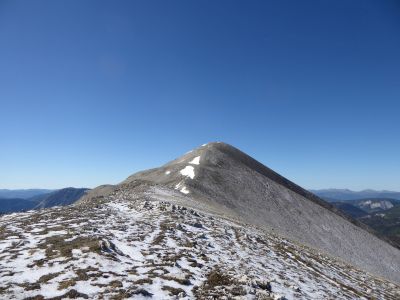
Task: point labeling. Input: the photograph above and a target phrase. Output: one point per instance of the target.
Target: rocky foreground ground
(131, 247)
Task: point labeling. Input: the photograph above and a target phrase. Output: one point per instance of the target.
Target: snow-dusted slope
(139, 246)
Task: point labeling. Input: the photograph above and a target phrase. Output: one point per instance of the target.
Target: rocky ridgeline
(127, 245)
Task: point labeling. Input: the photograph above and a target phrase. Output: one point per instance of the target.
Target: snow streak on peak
(188, 171)
(182, 188)
(195, 161)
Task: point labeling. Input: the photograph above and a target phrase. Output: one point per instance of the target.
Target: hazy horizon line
(88, 187)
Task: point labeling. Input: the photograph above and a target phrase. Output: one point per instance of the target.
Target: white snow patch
(184, 190)
(188, 171)
(130, 250)
(119, 206)
(168, 172)
(76, 252)
(195, 161)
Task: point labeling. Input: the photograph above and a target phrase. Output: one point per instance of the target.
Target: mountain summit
(222, 179)
(213, 223)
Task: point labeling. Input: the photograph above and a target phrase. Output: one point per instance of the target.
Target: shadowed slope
(61, 197)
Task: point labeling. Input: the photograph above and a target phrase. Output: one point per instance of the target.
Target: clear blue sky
(92, 91)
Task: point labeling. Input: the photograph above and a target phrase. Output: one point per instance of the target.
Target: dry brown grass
(66, 284)
(47, 277)
(217, 278)
(183, 281)
(173, 291)
(57, 246)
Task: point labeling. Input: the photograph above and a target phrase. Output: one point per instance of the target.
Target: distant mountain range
(9, 205)
(350, 209)
(367, 206)
(22, 193)
(380, 210)
(41, 198)
(385, 222)
(381, 214)
(332, 195)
